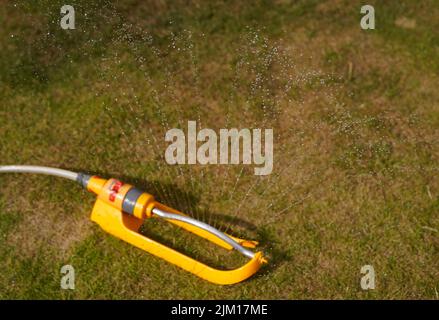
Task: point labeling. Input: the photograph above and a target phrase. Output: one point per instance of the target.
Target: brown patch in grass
(406, 23)
(44, 224)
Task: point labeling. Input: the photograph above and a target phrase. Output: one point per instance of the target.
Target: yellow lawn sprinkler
(121, 208)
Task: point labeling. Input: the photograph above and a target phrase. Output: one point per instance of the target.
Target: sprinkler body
(120, 209)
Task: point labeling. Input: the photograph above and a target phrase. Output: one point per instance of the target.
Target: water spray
(120, 209)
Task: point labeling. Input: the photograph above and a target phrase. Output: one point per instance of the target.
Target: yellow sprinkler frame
(120, 209)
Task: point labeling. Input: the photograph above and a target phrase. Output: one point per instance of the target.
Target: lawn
(355, 116)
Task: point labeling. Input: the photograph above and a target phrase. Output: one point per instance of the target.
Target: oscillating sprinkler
(120, 209)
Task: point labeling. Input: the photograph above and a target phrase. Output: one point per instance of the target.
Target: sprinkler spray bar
(206, 227)
(121, 209)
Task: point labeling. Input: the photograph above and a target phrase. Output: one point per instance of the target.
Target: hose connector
(122, 196)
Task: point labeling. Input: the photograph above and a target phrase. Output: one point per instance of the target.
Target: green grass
(356, 153)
